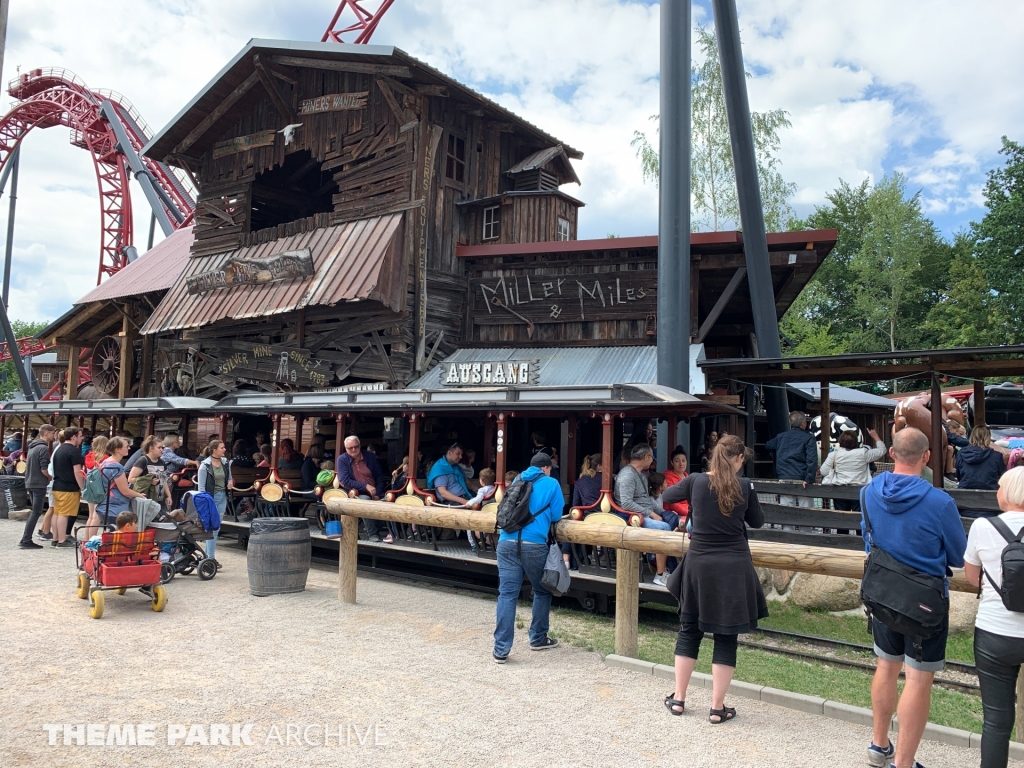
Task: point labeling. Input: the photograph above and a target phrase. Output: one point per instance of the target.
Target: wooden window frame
(494, 224)
(44, 377)
(559, 220)
(455, 137)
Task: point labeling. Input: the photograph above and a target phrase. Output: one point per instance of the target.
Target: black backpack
(904, 599)
(1012, 559)
(514, 510)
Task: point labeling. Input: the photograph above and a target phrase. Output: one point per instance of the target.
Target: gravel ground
(407, 672)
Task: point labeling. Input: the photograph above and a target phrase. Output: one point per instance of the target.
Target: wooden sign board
(504, 373)
(287, 265)
(333, 102)
(243, 143)
(511, 299)
(284, 366)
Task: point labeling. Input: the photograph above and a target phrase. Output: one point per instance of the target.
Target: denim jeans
(998, 659)
(510, 580)
(38, 499)
(657, 525)
(220, 498)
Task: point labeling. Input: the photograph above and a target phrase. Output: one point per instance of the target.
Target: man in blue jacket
(796, 456)
(920, 526)
(527, 558)
(360, 474)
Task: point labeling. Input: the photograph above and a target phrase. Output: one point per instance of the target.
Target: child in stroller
(179, 535)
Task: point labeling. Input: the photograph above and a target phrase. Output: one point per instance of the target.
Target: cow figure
(837, 426)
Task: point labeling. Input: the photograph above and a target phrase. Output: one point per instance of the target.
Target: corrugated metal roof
(581, 366)
(347, 259)
(155, 270)
(840, 394)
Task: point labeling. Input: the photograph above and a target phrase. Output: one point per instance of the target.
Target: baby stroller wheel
(187, 569)
(83, 586)
(166, 573)
(96, 604)
(159, 598)
(207, 569)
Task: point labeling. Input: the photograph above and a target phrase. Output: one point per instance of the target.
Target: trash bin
(12, 495)
(278, 556)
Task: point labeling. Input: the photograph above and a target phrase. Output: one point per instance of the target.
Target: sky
(925, 88)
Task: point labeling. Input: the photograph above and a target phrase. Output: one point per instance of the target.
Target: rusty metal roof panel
(347, 259)
(155, 270)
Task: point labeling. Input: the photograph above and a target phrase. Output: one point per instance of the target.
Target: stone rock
(20, 514)
(963, 609)
(764, 575)
(825, 593)
(781, 580)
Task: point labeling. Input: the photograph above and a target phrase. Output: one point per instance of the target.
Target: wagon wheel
(106, 364)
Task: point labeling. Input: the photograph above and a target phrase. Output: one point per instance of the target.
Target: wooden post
(501, 440)
(72, 377)
(348, 554)
(1020, 708)
(124, 380)
(184, 436)
(299, 421)
(81, 422)
(571, 457)
(826, 422)
(673, 436)
(627, 601)
(414, 444)
(150, 424)
(938, 458)
(24, 437)
(607, 457)
(339, 435)
(488, 456)
(225, 421)
(92, 428)
(979, 403)
(146, 366)
(749, 431)
(274, 439)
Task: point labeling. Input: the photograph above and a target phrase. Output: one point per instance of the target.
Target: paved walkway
(408, 672)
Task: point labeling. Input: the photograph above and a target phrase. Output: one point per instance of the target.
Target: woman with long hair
(92, 494)
(587, 489)
(719, 589)
(215, 478)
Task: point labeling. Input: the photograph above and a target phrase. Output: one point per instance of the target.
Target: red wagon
(122, 561)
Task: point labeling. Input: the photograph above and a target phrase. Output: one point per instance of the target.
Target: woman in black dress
(720, 592)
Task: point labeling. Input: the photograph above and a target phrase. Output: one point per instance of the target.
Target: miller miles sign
(287, 265)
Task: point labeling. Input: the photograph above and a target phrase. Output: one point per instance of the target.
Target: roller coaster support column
(158, 199)
(755, 242)
(25, 377)
(12, 166)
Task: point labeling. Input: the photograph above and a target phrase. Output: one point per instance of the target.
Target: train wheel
(159, 598)
(96, 600)
(207, 569)
(83, 586)
(121, 590)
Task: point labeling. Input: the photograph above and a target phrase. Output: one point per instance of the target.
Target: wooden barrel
(278, 556)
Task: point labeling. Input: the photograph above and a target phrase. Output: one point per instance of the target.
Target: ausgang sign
(287, 265)
(506, 373)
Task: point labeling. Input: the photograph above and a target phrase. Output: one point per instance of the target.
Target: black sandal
(724, 715)
(671, 704)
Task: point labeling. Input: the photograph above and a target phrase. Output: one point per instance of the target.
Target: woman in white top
(848, 464)
(998, 632)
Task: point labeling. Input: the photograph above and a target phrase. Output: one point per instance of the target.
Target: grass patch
(657, 644)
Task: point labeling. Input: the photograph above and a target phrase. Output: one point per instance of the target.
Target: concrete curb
(813, 704)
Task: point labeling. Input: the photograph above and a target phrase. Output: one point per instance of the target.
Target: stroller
(180, 547)
(119, 561)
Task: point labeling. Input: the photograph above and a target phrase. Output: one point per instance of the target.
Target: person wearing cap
(524, 553)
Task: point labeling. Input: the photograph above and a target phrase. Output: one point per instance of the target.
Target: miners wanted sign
(507, 373)
(287, 265)
(334, 102)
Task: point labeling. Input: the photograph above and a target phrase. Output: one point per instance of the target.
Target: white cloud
(871, 86)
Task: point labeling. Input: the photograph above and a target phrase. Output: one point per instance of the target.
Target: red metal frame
(364, 24)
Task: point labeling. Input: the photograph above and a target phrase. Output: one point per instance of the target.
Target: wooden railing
(629, 542)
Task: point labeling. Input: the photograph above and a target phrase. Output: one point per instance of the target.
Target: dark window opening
(295, 190)
(455, 164)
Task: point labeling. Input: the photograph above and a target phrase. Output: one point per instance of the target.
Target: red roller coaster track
(51, 97)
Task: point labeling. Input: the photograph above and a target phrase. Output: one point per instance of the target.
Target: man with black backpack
(914, 536)
(531, 505)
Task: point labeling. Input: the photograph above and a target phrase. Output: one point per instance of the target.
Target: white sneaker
(661, 579)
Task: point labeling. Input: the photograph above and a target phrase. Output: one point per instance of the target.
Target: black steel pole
(755, 242)
(15, 158)
(28, 383)
(674, 200)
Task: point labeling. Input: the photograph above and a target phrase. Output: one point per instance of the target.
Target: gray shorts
(892, 646)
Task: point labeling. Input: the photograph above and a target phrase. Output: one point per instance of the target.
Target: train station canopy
(131, 406)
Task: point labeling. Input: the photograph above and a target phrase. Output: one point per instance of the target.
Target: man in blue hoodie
(920, 526)
(527, 558)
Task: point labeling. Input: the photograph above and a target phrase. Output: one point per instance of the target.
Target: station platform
(405, 677)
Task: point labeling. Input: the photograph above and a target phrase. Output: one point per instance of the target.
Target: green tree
(900, 257)
(999, 240)
(712, 175)
(9, 383)
(967, 313)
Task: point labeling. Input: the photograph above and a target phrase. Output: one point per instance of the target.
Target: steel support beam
(755, 242)
(674, 198)
(13, 162)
